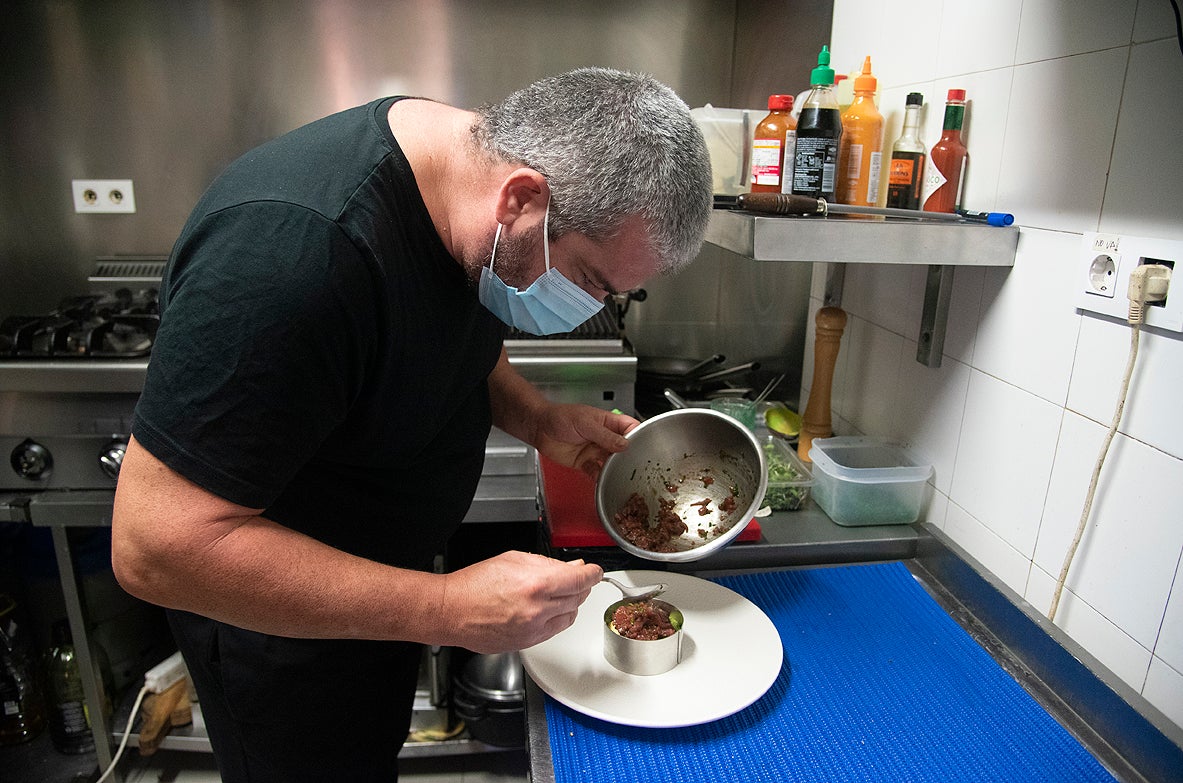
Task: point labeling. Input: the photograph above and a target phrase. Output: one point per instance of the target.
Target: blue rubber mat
(878, 684)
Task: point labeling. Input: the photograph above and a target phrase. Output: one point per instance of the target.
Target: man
(327, 368)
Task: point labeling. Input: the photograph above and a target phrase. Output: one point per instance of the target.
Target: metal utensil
(768, 389)
(675, 398)
(717, 374)
(641, 593)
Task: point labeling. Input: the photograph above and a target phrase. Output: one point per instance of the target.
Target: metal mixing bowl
(700, 455)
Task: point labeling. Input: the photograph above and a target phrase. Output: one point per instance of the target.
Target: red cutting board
(570, 497)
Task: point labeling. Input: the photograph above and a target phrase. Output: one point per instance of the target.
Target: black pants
(291, 710)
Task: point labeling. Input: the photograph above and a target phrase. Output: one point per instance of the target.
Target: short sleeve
(269, 322)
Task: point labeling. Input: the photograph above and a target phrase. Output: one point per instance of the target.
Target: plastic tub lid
(866, 460)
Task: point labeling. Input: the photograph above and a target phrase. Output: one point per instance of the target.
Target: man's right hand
(514, 600)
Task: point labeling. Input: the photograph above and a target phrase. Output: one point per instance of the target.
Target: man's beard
(516, 257)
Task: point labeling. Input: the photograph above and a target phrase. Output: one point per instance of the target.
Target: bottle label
(766, 160)
(814, 167)
(933, 179)
(786, 180)
(73, 718)
(873, 177)
(854, 160)
(904, 179)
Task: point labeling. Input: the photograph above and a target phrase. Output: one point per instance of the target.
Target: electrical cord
(1148, 283)
(135, 708)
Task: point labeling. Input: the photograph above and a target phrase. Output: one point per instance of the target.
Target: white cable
(1135, 330)
(1147, 283)
(126, 733)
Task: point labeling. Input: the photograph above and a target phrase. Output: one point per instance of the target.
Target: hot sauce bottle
(862, 144)
(945, 173)
(773, 144)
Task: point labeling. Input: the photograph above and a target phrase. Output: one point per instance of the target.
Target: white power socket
(1106, 261)
(103, 195)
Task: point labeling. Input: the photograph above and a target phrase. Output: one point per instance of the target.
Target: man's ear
(521, 191)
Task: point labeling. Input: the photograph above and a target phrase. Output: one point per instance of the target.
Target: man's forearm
(516, 402)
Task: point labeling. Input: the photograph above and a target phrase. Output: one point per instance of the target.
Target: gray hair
(611, 145)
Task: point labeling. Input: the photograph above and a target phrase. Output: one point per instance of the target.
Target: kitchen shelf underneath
(853, 239)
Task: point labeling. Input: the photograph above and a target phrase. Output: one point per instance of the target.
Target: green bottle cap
(823, 73)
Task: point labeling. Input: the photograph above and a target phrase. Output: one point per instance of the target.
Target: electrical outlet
(1101, 274)
(103, 195)
(1106, 262)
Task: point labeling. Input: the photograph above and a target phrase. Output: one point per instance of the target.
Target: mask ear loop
(545, 238)
(546, 233)
(493, 255)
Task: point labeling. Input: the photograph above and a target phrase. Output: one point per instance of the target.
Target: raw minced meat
(642, 620)
(633, 522)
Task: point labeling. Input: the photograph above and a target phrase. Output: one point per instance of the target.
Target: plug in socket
(103, 195)
(1106, 294)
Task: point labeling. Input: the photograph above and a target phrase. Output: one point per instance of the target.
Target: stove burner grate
(118, 325)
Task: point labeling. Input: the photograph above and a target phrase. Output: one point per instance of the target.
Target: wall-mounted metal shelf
(941, 245)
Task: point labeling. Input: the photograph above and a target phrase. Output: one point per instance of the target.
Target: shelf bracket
(835, 279)
(938, 289)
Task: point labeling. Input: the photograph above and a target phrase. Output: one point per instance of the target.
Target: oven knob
(111, 457)
(31, 460)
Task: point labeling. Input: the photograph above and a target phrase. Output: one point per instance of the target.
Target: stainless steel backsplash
(167, 92)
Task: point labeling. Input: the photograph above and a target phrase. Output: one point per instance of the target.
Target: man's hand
(580, 436)
(514, 600)
(577, 436)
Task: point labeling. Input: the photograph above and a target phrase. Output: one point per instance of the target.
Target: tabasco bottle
(773, 144)
(945, 173)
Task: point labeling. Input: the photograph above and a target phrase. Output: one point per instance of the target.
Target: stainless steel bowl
(699, 454)
(643, 656)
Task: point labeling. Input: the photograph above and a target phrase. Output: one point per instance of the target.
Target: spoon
(642, 593)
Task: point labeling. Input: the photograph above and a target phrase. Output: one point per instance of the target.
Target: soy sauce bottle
(819, 134)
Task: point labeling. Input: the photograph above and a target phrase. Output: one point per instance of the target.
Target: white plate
(731, 656)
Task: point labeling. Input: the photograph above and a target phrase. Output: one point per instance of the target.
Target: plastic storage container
(789, 479)
(867, 481)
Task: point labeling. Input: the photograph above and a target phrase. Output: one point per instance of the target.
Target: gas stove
(70, 378)
(117, 320)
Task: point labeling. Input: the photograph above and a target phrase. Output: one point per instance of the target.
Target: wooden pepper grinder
(831, 321)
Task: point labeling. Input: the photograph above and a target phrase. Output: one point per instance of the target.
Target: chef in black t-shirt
(328, 365)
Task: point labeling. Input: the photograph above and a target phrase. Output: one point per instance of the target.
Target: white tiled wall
(1073, 125)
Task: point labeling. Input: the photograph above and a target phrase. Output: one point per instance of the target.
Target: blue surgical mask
(550, 305)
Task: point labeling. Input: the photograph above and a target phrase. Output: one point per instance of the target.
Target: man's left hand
(580, 436)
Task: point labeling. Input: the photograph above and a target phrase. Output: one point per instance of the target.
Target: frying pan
(673, 366)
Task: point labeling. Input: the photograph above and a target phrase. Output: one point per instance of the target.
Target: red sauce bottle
(945, 174)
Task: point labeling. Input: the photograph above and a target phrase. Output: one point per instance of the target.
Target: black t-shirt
(320, 353)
